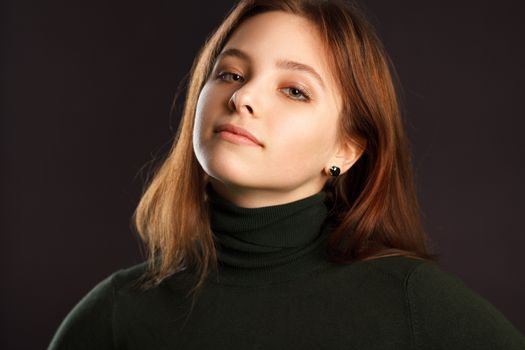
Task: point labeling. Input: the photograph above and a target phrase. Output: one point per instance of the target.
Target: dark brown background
(86, 95)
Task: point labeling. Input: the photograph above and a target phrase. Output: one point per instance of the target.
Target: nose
(241, 101)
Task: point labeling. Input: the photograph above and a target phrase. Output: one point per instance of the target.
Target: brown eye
(228, 76)
(297, 94)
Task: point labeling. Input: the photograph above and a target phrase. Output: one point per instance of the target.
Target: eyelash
(305, 94)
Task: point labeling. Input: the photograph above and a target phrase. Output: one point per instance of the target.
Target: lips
(237, 131)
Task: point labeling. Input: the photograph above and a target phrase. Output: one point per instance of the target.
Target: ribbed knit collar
(267, 244)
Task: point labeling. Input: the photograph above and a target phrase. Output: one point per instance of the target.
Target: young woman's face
(272, 80)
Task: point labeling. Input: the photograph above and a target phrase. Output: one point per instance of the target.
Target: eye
(229, 76)
(297, 94)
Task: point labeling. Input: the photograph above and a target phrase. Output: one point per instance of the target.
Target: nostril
(249, 109)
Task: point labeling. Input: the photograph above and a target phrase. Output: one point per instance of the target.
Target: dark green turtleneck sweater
(275, 290)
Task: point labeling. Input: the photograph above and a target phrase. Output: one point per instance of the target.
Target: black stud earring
(334, 170)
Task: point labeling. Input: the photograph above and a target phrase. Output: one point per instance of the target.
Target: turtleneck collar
(267, 244)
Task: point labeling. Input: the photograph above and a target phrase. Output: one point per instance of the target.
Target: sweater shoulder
(94, 314)
(398, 268)
(127, 278)
(445, 313)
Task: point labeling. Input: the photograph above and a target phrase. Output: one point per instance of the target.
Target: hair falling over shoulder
(374, 205)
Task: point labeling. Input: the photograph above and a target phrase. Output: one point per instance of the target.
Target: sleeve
(89, 325)
(445, 314)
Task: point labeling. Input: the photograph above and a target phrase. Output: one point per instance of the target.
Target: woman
(285, 216)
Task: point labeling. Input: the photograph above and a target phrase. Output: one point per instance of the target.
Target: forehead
(275, 35)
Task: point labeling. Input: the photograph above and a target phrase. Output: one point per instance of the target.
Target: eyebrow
(282, 63)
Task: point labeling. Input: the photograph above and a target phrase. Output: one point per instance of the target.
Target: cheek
(204, 103)
(212, 103)
(208, 108)
(307, 141)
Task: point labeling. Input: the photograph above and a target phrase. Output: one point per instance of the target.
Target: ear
(346, 155)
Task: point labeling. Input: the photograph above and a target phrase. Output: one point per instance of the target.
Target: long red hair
(373, 205)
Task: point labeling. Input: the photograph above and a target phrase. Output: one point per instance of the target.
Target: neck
(267, 244)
